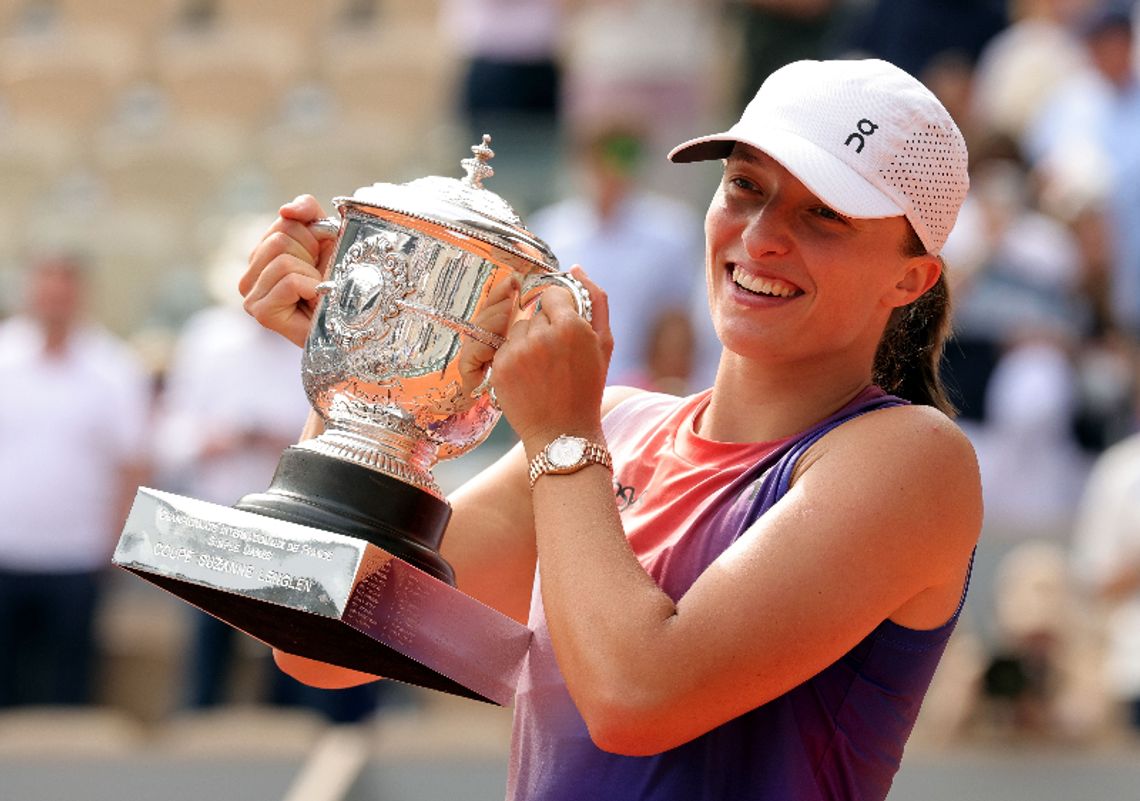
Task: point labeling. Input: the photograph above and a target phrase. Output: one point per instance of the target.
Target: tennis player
(744, 593)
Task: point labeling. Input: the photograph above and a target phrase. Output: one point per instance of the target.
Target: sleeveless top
(838, 735)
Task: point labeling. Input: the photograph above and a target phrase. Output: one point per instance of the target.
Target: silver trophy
(338, 560)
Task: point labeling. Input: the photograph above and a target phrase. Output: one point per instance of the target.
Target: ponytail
(909, 359)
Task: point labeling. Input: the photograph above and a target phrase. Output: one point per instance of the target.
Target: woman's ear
(920, 273)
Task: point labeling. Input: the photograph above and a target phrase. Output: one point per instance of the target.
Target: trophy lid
(462, 205)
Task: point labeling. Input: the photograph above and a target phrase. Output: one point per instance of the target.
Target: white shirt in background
(1107, 539)
(68, 424)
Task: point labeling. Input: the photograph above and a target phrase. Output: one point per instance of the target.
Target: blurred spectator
(218, 446)
(644, 249)
(1088, 106)
(1105, 363)
(910, 33)
(74, 416)
(1087, 218)
(1081, 145)
(1106, 558)
(1041, 680)
(1020, 66)
(1028, 258)
(659, 62)
(511, 54)
(778, 32)
(510, 86)
(1015, 273)
(670, 355)
(1087, 131)
(1032, 468)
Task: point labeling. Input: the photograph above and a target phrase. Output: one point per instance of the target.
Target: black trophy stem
(323, 492)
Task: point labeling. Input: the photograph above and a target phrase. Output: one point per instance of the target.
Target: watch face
(566, 451)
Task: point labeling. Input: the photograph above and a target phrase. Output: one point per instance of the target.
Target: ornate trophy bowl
(338, 560)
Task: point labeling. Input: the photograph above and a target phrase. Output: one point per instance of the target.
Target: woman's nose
(767, 232)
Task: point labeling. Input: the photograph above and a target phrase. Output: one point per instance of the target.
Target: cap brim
(828, 178)
(704, 148)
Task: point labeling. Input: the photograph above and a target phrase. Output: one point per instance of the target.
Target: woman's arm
(879, 524)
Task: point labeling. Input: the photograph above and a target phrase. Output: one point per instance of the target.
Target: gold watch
(566, 454)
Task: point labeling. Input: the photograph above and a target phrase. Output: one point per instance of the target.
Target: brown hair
(909, 359)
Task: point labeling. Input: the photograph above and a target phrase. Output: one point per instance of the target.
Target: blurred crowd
(101, 389)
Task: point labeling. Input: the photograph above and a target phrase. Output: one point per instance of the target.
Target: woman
(760, 612)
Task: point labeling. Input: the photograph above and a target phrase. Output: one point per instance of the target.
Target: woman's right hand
(280, 286)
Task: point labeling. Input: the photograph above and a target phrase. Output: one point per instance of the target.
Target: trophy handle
(528, 293)
(325, 228)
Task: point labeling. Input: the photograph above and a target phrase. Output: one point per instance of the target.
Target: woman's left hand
(550, 374)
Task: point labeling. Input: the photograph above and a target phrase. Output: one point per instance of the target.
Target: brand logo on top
(863, 129)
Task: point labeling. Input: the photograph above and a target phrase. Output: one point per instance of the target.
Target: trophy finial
(477, 168)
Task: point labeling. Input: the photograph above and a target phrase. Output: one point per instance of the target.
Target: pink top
(667, 477)
(684, 499)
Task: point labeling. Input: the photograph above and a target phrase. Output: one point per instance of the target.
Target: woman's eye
(829, 214)
(743, 183)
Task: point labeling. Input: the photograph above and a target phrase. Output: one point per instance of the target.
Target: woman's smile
(763, 286)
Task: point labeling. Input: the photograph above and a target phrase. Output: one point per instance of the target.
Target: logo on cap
(864, 128)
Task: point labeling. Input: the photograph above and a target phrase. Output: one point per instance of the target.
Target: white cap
(864, 136)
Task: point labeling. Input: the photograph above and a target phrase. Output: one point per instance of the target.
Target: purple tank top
(838, 736)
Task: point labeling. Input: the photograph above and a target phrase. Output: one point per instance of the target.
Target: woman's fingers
(600, 308)
(551, 372)
(560, 309)
(296, 243)
(494, 318)
(290, 233)
(303, 208)
(279, 285)
(284, 295)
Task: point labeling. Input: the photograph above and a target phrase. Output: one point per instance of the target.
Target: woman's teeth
(773, 287)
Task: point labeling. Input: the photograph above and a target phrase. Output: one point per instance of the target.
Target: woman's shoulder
(904, 426)
(915, 443)
(906, 477)
(917, 432)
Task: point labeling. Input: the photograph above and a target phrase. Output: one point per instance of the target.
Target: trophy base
(322, 594)
(315, 490)
(303, 634)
